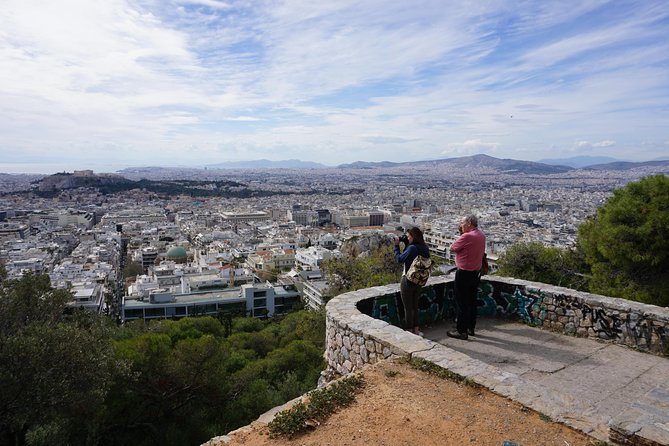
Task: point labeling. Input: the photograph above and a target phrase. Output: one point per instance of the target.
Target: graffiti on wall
(500, 299)
(438, 302)
(386, 308)
(432, 305)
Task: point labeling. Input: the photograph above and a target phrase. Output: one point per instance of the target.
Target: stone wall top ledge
(588, 298)
(343, 311)
(366, 326)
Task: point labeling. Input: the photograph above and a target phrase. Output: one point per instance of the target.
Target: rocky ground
(400, 405)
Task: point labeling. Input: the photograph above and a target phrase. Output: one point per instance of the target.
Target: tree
(535, 262)
(176, 385)
(626, 244)
(73, 377)
(189, 380)
(353, 273)
(132, 268)
(55, 368)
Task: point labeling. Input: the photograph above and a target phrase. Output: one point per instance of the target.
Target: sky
(108, 84)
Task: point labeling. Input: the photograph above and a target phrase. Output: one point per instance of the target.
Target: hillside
(470, 162)
(400, 405)
(110, 183)
(626, 165)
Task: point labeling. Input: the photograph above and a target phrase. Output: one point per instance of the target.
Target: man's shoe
(457, 335)
(470, 332)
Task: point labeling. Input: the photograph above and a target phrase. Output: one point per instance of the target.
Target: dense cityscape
(217, 213)
(260, 254)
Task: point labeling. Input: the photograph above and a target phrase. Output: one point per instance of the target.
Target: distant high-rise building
(324, 216)
(376, 218)
(304, 218)
(149, 256)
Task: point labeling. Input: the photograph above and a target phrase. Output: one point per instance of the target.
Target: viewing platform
(594, 363)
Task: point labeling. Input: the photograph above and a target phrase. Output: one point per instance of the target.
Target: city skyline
(107, 85)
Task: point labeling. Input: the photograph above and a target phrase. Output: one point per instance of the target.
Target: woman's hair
(417, 235)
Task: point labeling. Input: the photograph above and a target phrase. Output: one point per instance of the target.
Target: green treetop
(627, 243)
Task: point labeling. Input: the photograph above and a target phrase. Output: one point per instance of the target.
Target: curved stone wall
(362, 325)
(361, 329)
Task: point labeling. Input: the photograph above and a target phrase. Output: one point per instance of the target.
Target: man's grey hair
(472, 220)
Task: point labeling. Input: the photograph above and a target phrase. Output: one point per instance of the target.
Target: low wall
(363, 325)
(362, 328)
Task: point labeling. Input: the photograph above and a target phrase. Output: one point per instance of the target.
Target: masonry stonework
(362, 328)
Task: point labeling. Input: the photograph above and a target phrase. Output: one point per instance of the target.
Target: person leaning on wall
(469, 249)
(414, 245)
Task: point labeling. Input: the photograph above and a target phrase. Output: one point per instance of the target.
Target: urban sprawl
(260, 255)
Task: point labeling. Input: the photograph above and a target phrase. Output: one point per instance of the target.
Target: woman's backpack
(419, 271)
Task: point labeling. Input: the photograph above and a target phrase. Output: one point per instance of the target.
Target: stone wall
(362, 326)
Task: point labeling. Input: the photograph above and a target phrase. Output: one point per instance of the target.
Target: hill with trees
(75, 378)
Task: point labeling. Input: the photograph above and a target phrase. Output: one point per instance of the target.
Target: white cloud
(242, 119)
(188, 80)
(210, 3)
(470, 147)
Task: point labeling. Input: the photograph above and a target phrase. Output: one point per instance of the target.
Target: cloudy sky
(105, 84)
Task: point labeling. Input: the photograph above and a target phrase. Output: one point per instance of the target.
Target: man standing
(469, 249)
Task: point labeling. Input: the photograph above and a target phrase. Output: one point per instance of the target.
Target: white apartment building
(233, 217)
(184, 279)
(355, 220)
(312, 293)
(439, 243)
(274, 258)
(257, 300)
(85, 219)
(12, 231)
(128, 216)
(412, 219)
(327, 241)
(311, 258)
(18, 267)
(147, 256)
(88, 295)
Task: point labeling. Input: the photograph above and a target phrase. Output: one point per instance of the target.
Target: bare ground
(400, 405)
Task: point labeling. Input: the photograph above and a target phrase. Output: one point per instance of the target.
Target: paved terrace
(586, 382)
(600, 386)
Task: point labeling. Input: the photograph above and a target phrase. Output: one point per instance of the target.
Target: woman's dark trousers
(410, 294)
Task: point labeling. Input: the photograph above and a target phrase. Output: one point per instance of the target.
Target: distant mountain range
(470, 162)
(625, 165)
(207, 182)
(505, 165)
(579, 161)
(516, 166)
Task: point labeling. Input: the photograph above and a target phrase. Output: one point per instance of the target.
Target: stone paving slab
(609, 391)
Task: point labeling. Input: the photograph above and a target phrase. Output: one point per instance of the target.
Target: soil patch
(400, 405)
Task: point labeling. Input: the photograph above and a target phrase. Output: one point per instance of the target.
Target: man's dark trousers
(466, 288)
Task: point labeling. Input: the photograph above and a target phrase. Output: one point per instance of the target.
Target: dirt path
(403, 406)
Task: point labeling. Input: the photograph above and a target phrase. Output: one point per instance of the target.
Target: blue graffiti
(386, 308)
(432, 306)
(486, 305)
(527, 307)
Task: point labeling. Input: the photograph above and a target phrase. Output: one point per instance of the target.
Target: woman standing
(410, 292)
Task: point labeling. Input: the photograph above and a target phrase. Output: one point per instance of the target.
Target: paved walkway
(588, 384)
